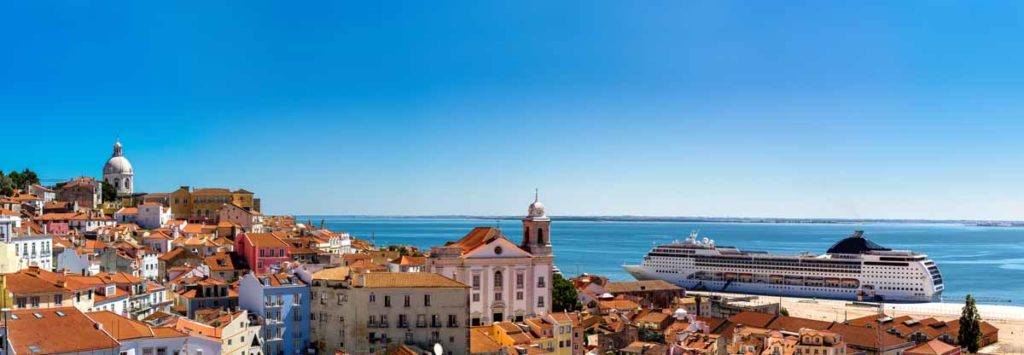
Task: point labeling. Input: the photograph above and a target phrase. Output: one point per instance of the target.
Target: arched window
(117, 182)
(540, 236)
(126, 183)
(498, 279)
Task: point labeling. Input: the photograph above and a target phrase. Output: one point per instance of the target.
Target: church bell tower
(537, 229)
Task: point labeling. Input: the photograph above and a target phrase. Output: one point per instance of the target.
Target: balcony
(436, 324)
(403, 324)
(421, 324)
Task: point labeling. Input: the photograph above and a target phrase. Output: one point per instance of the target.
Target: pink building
(263, 251)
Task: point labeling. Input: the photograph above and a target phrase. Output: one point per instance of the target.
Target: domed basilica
(118, 172)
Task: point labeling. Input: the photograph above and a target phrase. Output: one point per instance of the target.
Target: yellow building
(21, 290)
(8, 258)
(203, 203)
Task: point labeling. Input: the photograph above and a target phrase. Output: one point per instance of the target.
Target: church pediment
(497, 248)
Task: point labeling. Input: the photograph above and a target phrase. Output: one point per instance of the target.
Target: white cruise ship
(853, 269)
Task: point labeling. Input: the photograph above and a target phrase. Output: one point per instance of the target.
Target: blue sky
(711, 108)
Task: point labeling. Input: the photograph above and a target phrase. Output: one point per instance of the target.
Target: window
(58, 299)
(435, 321)
(453, 321)
(540, 282)
(540, 301)
(476, 297)
(426, 300)
(387, 301)
(519, 280)
(497, 296)
(22, 301)
(519, 295)
(476, 282)
(407, 302)
(35, 301)
(373, 298)
(498, 280)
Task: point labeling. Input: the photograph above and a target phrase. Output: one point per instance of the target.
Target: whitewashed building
(152, 215)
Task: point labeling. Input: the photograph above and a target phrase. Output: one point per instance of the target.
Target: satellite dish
(438, 350)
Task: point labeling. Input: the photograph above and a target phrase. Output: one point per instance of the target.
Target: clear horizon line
(695, 218)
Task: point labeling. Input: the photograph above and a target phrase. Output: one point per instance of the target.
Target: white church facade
(507, 281)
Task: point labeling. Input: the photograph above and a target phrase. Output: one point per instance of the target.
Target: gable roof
(32, 334)
(935, 346)
(475, 238)
(119, 327)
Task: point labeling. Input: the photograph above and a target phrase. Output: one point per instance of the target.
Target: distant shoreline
(978, 223)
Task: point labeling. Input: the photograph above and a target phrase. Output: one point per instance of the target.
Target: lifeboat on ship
(746, 277)
(776, 279)
(851, 283)
(730, 276)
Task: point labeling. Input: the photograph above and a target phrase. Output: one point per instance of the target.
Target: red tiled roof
(31, 334)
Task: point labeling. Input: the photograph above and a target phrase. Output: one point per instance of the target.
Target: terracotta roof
(56, 216)
(279, 279)
(265, 240)
(475, 238)
(120, 278)
(7, 212)
(340, 273)
(128, 210)
(640, 286)
(21, 283)
(220, 262)
(29, 334)
(480, 341)
(167, 332)
(866, 337)
(935, 346)
(618, 304)
(794, 324)
(365, 265)
(211, 191)
(751, 318)
(119, 327)
(406, 260)
(407, 280)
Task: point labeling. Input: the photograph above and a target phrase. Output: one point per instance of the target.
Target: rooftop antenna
(536, 194)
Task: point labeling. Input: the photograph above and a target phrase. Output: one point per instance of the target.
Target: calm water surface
(984, 261)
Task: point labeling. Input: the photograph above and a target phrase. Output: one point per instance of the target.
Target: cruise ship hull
(854, 269)
(759, 288)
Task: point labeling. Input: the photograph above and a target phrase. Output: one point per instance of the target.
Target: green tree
(970, 326)
(6, 185)
(29, 177)
(650, 335)
(109, 192)
(783, 311)
(564, 295)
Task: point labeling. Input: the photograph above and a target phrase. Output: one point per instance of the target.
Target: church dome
(117, 164)
(536, 209)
